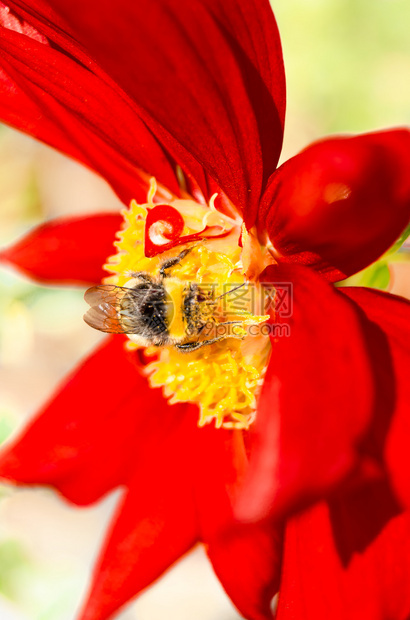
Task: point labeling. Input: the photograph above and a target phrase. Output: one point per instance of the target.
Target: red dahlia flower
(193, 93)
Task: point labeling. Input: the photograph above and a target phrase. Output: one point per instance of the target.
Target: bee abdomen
(145, 307)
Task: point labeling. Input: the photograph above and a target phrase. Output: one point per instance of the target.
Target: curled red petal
(316, 401)
(70, 250)
(153, 250)
(163, 225)
(317, 585)
(222, 106)
(163, 229)
(392, 426)
(340, 203)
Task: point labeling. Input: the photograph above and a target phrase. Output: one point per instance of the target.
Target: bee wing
(104, 314)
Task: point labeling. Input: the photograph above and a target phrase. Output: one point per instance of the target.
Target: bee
(160, 311)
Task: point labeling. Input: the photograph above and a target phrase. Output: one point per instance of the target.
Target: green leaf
(376, 275)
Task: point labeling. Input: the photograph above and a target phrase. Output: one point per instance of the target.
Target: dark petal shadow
(364, 506)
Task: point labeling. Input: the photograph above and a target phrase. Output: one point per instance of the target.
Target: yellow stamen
(222, 378)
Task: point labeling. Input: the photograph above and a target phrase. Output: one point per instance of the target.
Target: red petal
(51, 96)
(68, 250)
(316, 401)
(153, 527)
(38, 18)
(208, 78)
(51, 124)
(340, 203)
(172, 225)
(392, 426)
(245, 557)
(316, 585)
(247, 561)
(92, 435)
(359, 513)
(20, 107)
(179, 484)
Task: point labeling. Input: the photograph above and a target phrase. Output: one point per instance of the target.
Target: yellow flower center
(223, 374)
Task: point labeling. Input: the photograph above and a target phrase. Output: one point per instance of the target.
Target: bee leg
(193, 346)
(171, 262)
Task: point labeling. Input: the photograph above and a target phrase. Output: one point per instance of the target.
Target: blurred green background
(348, 70)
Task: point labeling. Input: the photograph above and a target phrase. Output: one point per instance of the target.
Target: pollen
(222, 378)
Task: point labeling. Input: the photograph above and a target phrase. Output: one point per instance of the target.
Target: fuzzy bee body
(145, 310)
(161, 311)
